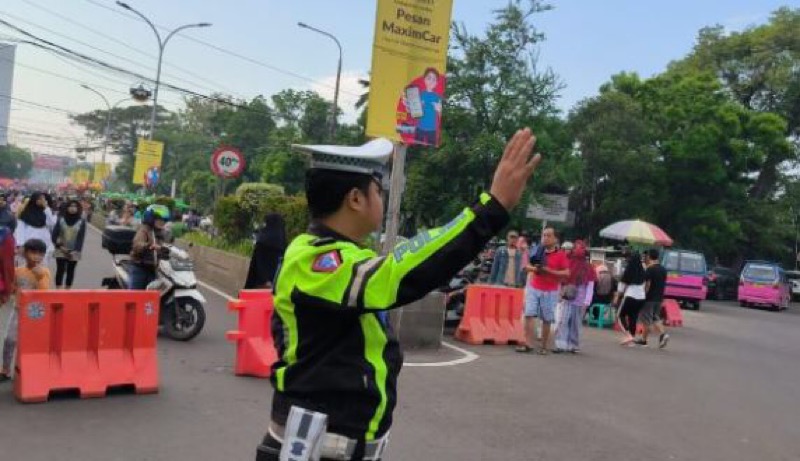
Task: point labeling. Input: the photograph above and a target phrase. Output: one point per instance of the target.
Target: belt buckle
(337, 446)
(374, 449)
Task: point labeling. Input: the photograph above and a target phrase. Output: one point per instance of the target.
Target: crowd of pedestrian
(36, 228)
(561, 284)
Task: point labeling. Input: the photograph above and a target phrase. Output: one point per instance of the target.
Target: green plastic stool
(605, 316)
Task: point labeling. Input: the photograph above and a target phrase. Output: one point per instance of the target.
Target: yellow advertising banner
(101, 171)
(148, 155)
(409, 65)
(80, 176)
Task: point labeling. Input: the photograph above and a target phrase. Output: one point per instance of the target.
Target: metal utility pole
(335, 110)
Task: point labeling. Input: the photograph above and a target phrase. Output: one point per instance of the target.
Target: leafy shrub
(241, 248)
(232, 221)
(252, 195)
(179, 229)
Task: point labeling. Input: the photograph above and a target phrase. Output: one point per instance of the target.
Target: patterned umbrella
(637, 232)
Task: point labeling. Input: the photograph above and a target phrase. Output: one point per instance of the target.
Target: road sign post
(227, 162)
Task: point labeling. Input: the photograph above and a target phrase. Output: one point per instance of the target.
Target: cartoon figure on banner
(152, 176)
(419, 110)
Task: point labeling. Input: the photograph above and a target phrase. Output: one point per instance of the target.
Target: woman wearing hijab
(68, 236)
(7, 218)
(631, 290)
(576, 296)
(267, 254)
(32, 223)
(50, 212)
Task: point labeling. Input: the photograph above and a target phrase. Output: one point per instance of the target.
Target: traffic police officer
(338, 357)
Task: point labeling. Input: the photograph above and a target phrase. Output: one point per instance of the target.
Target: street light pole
(338, 75)
(161, 45)
(108, 118)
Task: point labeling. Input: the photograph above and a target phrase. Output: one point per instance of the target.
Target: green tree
(494, 87)
(621, 173)
(15, 162)
(199, 189)
(759, 67)
(678, 150)
(127, 125)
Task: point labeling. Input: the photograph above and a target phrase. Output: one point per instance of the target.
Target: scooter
(182, 314)
(455, 291)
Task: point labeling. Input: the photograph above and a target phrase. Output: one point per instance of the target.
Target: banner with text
(409, 64)
(148, 159)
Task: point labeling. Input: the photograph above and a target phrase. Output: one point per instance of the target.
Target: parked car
(794, 280)
(686, 277)
(764, 283)
(723, 283)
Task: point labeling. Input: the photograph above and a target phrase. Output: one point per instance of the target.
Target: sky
(255, 47)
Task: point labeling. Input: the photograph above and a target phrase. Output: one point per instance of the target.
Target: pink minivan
(686, 277)
(764, 284)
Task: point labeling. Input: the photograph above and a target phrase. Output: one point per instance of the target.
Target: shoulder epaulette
(322, 241)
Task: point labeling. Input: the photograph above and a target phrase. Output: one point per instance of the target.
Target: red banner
(50, 162)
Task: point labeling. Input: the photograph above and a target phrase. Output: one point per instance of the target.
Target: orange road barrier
(492, 314)
(255, 348)
(86, 340)
(671, 313)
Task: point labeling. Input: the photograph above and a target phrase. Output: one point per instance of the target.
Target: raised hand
(515, 168)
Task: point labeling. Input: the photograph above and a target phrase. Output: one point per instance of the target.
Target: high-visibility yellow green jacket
(337, 353)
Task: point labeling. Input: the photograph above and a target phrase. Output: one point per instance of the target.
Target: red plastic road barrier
(86, 340)
(255, 349)
(671, 312)
(492, 314)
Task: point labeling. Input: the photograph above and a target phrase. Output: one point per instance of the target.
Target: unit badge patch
(327, 262)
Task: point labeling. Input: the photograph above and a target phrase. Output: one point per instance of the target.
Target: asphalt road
(725, 389)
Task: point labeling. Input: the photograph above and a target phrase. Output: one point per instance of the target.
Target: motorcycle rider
(147, 243)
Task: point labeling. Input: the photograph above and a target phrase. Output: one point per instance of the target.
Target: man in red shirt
(549, 268)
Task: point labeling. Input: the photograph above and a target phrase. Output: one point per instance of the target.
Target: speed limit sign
(227, 162)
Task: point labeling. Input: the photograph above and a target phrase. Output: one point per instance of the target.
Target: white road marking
(469, 356)
(216, 291)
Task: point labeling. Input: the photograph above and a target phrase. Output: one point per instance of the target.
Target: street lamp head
(124, 5)
(204, 24)
(140, 93)
(303, 25)
(85, 86)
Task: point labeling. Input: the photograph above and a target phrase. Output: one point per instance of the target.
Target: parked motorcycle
(181, 314)
(455, 291)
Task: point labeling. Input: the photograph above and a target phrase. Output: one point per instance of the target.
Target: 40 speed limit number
(227, 162)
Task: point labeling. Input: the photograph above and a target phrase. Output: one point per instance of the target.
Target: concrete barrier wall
(220, 269)
(421, 324)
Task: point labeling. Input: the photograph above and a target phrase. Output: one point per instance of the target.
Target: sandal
(524, 349)
(543, 352)
(4, 377)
